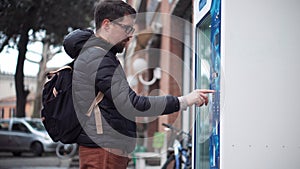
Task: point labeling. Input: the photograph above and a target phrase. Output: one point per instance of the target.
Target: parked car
(19, 135)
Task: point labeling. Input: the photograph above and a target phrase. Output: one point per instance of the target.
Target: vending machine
(247, 51)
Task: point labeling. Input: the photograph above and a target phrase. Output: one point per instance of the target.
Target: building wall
(169, 56)
(8, 95)
(7, 85)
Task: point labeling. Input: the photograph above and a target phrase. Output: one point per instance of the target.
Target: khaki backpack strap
(51, 73)
(95, 102)
(94, 106)
(98, 120)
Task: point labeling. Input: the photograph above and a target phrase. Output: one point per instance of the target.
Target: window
(11, 112)
(38, 125)
(2, 113)
(4, 125)
(20, 127)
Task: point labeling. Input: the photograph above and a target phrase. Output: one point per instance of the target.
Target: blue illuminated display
(207, 74)
(214, 147)
(202, 3)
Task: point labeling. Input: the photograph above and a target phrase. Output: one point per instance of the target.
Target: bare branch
(57, 52)
(5, 43)
(52, 54)
(34, 52)
(32, 61)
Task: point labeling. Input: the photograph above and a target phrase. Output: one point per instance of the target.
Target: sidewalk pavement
(74, 163)
(27, 161)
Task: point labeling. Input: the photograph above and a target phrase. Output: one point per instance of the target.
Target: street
(28, 161)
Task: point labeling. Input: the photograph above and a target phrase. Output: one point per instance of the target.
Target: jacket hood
(80, 39)
(75, 40)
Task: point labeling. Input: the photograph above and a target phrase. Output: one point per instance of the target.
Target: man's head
(114, 22)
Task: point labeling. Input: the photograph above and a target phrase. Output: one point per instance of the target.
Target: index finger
(206, 91)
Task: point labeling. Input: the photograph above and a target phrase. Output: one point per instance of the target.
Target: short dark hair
(112, 10)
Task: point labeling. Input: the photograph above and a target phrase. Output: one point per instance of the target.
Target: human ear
(105, 24)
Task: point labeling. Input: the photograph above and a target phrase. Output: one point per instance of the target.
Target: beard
(119, 47)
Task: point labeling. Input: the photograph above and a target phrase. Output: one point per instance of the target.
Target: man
(110, 135)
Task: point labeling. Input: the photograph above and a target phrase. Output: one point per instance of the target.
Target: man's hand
(198, 97)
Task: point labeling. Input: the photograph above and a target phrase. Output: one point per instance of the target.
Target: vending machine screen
(208, 72)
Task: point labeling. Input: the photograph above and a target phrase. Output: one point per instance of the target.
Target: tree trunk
(19, 75)
(41, 80)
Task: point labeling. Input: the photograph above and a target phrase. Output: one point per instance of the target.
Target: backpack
(58, 114)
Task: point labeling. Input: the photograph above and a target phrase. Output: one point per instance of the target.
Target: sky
(8, 60)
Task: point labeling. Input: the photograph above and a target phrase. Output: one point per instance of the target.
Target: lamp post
(139, 65)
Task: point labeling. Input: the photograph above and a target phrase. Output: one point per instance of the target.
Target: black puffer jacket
(98, 69)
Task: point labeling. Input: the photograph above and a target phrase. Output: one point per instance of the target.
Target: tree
(46, 55)
(20, 17)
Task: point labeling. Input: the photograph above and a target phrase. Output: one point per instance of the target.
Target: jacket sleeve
(111, 80)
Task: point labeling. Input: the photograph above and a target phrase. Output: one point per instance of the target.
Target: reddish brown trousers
(102, 158)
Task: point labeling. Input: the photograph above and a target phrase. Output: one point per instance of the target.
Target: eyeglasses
(128, 29)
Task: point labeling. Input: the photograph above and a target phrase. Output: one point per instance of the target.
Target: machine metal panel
(259, 84)
(260, 114)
